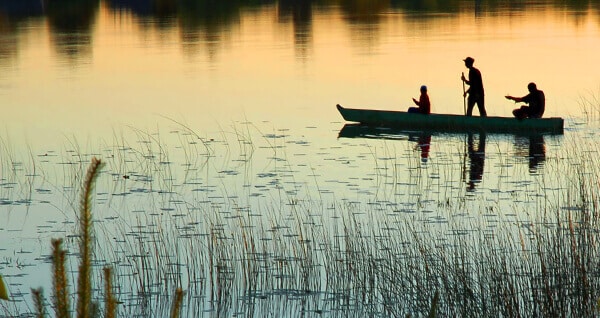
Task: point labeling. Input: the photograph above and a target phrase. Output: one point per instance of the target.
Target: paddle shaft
(464, 96)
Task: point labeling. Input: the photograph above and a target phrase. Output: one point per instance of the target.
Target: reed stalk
(38, 299)
(177, 300)
(84, 280)
(59, 280)
(434, 305)
(110, 303)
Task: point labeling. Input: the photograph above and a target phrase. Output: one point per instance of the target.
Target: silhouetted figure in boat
(536, 100)
(475, 91)
(423, 103)
(476, 160)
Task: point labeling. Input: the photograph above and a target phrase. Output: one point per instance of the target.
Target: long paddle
(464, 96)
(464, 167)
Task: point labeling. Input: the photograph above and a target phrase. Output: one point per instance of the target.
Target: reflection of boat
(422, 138)
(451, 123)
(364, 131)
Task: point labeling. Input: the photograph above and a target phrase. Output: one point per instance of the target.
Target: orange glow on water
(265, 65)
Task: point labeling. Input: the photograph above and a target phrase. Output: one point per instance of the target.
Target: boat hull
(451, 123)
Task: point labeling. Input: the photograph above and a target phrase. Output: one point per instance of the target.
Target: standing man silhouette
(475, 91)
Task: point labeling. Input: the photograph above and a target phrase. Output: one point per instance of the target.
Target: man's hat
(469, 60)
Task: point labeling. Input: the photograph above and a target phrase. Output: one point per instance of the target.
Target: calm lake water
(201, 109)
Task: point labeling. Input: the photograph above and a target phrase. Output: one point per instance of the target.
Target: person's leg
(470, 105)
(517, 113)
(413, 110)
(481, 106)
(520, 113)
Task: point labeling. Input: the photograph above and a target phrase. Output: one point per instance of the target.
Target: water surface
(206, 111)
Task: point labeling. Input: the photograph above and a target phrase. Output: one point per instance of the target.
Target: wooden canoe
(451, 123)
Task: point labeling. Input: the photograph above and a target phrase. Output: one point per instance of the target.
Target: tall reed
(59, 279)
(110, 302)
(85, 307)
(38, 299)
(84, 280)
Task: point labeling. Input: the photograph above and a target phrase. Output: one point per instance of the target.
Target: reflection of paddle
(464, 167)
(464, 95)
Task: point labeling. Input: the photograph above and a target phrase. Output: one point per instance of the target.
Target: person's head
(532, 87)
(423, 89)
(469, 61)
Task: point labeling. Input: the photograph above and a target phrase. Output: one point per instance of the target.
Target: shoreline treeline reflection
(71, 23)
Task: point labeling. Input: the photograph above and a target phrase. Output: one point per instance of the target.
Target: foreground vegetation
(289, 257)
(60, 288)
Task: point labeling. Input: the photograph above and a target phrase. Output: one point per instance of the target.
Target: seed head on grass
(176, 307)
(59, 279)
(110, 306)
(38, 299)
(84, 281)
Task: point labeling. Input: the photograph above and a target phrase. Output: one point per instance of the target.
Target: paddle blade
(3, 291)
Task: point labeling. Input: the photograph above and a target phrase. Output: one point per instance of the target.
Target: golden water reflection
(288, 62)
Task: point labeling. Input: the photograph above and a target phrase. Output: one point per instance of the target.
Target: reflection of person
(423, 142)
(423, 103)
(532, 147)
(537, 152)
(476, 160)
(475, 91)
(536, 101)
